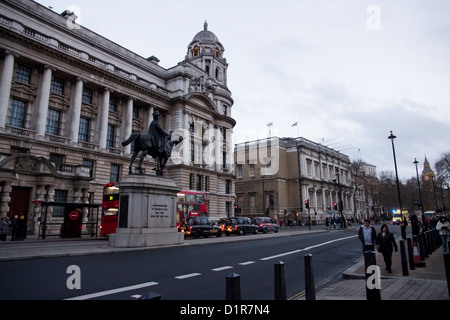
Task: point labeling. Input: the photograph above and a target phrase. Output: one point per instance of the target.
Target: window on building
(90, 164)
(53, 122)
(239, 171)
(17, 113)
(114, 174)
(206, 183)
(251, 170)
(113, 104)
(83, 133)
(192, 151)
(57, 86)
(227, 186)
(191, 181)
(227, 208)
(110, 135)
(87, 96)
(18, 150)
(60, 196)
(196, 51)
(198, 183)
(57, 159)
(23, 74)
(135, 112)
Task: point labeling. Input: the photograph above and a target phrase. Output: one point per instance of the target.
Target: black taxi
(200, 226)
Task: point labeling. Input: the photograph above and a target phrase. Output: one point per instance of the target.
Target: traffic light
(335, 206)
(307, 204)
(236, 209)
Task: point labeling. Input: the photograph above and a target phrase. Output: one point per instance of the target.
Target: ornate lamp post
(403, 227)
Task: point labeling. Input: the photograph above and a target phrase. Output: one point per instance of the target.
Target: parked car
(201, 226)
(240, 225)
(266, 224)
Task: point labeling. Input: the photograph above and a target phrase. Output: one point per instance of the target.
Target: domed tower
(206, 52)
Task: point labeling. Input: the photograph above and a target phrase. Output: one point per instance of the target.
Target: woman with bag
(386, 245)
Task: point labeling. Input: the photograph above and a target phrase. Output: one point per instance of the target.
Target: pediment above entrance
(201, 99)
(23, 163)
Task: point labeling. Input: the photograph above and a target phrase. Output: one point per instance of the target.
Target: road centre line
(305, 249)
(189, 275)
(222, 268)
(246, 263)
(113, 291)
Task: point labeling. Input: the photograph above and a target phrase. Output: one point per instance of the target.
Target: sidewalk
(422, 283)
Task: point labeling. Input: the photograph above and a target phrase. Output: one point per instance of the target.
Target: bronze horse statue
(146, 144)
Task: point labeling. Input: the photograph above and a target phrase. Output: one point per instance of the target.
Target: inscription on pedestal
(159, 211)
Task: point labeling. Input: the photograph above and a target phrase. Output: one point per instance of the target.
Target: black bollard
(403, 257)
(410, 254)
(403, 230)
(447, 269)
(426, 250)
(421, 247)
(373, 285)
(428, 245)
(418, 258)
(437, 239)
(310, 288)
(233, 287)
(280, 281)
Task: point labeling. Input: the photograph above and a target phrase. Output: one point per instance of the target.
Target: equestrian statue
(156, 143)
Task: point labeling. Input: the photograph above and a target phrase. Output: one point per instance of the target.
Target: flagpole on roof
(296, 125)
(270, 124)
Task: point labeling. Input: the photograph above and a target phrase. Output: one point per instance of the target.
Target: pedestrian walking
(4, 228)
(367, 235)
(386, 244)
(443, 226)
(14, 227)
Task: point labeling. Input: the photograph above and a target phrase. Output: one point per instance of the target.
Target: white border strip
(113, 291)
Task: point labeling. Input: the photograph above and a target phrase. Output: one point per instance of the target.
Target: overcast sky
(346, 71)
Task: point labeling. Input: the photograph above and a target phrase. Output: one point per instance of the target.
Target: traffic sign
(74, 215)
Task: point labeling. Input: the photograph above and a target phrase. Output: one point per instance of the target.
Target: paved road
(191, 271)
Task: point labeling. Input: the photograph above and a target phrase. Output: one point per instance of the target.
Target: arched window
(196, 51)
(217, 52)
(218, 74)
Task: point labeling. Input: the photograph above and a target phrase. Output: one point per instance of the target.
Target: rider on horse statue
(156, 143)
(158, 136)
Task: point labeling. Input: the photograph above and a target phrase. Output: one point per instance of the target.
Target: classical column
(5, 87)
(42, 103)
(76, 112)
(186, 141)
(218, 149)
(104, 120)
(128, 123)
(150, 116)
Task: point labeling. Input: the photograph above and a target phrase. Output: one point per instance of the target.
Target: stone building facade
(69, 97)
(275, 176)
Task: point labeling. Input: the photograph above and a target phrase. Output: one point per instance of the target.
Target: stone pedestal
(147, 212)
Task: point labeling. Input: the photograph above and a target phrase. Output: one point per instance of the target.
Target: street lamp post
(434, 191)
(343, 224)
(420, 193)
(392, 137)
